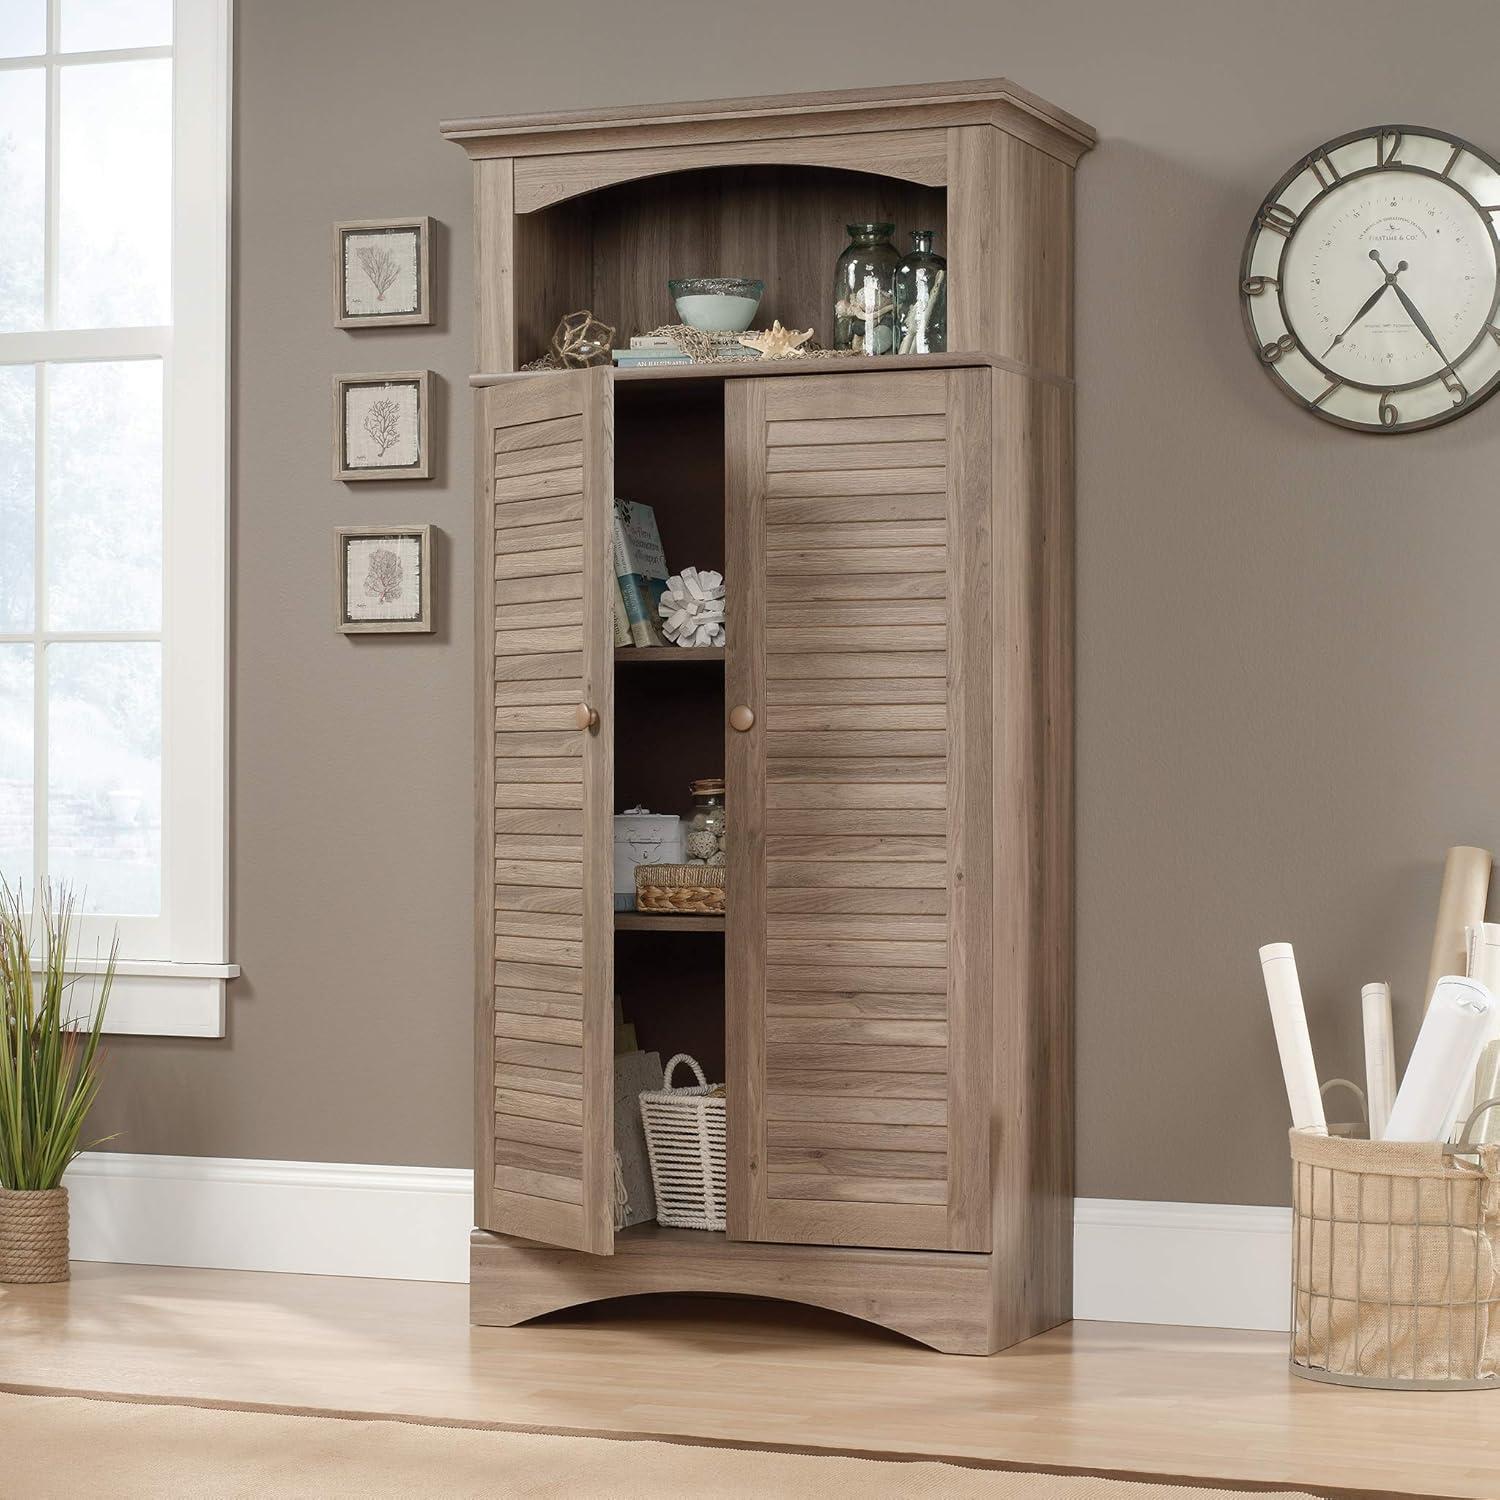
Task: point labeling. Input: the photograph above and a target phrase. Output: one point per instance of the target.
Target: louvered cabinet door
(859, 930)
(547, 1017)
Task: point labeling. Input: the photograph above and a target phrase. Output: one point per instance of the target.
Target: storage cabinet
(889, 996)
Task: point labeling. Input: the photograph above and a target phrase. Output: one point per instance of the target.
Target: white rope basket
(687, 1141)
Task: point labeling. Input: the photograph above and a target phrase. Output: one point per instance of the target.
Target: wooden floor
(1098, 1396)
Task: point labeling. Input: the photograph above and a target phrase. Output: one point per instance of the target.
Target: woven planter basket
(33, 1236)
(692, 890)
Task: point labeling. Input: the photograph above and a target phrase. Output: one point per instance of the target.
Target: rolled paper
(1484, 965)
(1380, 1056)
(1442, 1062)
(1487, 1086)
(1279, 967)
(1466, 888)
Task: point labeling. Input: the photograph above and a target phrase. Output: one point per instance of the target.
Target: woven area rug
(59, 1447)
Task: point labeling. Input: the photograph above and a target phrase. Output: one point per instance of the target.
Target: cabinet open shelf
(659, 655)
(649, 921)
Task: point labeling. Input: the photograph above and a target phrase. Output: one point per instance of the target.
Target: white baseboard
(1205, 1264)
(407, 1223)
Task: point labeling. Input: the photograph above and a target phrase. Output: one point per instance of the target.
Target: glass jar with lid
(703, 829)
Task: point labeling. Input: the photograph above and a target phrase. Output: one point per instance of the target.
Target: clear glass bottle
(922, 298)
(864, 291)
(703, 829)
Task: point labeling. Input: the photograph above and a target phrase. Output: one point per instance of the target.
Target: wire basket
(687, 1140)
(1396, 1261)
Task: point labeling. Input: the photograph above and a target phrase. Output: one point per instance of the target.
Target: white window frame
(174, 968)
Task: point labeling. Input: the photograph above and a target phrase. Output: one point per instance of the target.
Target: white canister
(643, 838)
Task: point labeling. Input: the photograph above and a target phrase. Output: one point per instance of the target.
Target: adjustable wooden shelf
(890, 995)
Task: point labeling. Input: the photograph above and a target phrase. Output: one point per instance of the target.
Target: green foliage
(49, 1058)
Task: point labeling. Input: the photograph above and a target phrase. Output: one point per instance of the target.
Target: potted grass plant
(49, 1078)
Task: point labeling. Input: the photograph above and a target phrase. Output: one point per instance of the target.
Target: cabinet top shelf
(992, 101)
(739, 369)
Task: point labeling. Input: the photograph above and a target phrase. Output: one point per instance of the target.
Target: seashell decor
(777, 342)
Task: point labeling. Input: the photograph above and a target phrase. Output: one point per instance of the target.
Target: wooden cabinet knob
(586, 718)
(741, 717)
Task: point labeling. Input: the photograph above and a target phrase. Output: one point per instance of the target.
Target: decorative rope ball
(692, 608)
(582, 340)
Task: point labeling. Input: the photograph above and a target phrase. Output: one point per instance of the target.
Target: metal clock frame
(1383, 163)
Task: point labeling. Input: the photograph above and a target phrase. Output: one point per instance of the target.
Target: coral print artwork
(382, 426)
(384, 579)
(381, 273)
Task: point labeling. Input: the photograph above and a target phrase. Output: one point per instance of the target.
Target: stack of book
(649, 349)
(658, 349)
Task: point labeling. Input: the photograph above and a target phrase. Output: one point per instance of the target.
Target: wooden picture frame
(385, 594)
(374, 259)
(387, 433)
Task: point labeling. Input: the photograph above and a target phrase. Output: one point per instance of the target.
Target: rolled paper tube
(1484, 965)
(1487, 1086)
(1278, 965)
(1442, 1062)
(1380, 1056)
(1466, 887)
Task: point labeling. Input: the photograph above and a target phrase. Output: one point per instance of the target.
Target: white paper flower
(692, 608)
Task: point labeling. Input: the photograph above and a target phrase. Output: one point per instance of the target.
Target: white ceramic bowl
(717, 304)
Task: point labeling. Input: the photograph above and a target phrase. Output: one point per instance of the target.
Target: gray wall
(1286, 635)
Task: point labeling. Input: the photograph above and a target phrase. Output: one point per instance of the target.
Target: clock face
(1370, 282)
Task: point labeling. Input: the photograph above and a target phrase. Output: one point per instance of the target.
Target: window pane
(103, 507)
(23, 28)
(17, 495)
(23, 196)
(16, 707)
(96, 25)
(115, 195)
(104, 774)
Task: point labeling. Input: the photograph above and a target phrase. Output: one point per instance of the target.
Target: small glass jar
(864, 291)
(922, 298)
(703, 829)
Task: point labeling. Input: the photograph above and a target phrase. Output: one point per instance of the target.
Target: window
(114, 127)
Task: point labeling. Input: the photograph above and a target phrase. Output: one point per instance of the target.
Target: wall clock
(1371, 278)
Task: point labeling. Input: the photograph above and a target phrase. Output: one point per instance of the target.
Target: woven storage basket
(1395, 1262)
(687, 1141)
(689, 889)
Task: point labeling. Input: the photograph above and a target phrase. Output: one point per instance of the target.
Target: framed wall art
(381, 426)
(384, 579)
(382, 273)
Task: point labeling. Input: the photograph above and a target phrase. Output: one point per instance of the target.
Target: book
(617, 606)
(641, 568)
(636, 1073)
(625, 360)
(642, 341)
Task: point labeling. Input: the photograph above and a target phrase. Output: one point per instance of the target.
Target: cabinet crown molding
(992, 101)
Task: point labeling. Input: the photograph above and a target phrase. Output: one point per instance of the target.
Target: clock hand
(1370, 302)
(1421, 322)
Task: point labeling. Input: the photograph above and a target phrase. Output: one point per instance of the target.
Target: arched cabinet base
(939, 1298)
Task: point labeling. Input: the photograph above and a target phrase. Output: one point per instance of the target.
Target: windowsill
(153, 998)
